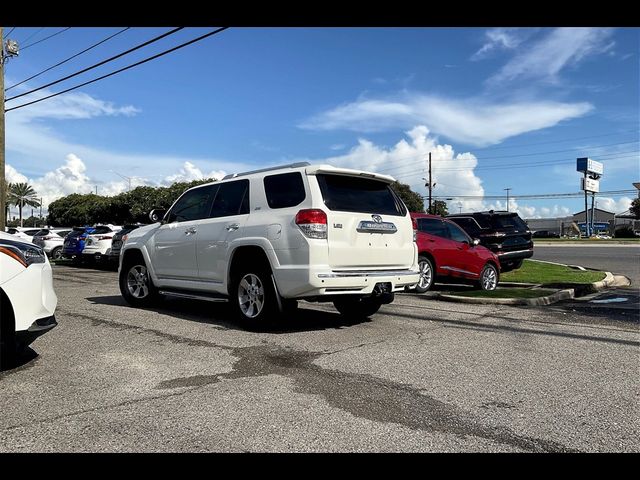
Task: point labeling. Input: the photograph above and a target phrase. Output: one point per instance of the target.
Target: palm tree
(21, 195)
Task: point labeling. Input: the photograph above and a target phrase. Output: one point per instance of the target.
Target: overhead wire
(182, 45)
(110, 59)
(67, 59)
(45, 38)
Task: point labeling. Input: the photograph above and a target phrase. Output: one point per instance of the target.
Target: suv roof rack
(291, 165)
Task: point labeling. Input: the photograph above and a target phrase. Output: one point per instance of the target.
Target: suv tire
(136, 285)
(427, 275)
(488, 278)
(359, 307)
(253, 296)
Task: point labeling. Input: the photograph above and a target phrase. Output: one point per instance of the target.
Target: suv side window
(232, 199)
(468, 224)
(284, 190)
(193, 205)
(433, 226)
(456, 234)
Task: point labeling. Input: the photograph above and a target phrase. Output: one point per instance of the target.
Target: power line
(538, 196)
(557, 141)
(33, 34)
(421, 157)
(9, 32)
(67, 59)
(197, 39)
(507, 166)
(170, 32)
(45, 38)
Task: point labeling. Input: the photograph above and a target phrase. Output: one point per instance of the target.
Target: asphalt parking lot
(422, 375)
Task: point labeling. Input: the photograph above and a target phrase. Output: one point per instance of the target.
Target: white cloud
(74, 105)
(611, 205)
(406, 161)
(189, 172)
(72, 177)
(562, 47)
(500, 39)
(471, 121)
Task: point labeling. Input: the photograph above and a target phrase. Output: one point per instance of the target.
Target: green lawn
(540, 272)
(507, 293)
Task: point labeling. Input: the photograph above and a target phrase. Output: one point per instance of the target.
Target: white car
(98, 243)
(26, 234)
(264, 239)
(51, 241)
(27, 298)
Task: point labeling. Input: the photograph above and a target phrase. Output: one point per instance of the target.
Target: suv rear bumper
(305, 282)
(509, 258)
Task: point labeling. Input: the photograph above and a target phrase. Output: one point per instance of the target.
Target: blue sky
(497, 107)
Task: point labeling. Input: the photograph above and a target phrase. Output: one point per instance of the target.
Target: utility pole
(429, 185)
(128, 179)
(11, 50)
(507, 189)
(586, 208)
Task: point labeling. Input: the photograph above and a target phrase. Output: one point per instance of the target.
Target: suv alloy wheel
(427, 275)
(488, 277)
(136, 285)
(253, 296)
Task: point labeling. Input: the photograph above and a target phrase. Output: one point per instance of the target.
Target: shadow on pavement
(23, 360)
(221, 316)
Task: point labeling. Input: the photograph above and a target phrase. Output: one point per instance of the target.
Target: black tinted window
(433, 226)
(31, 232)
(469, 225)
(353, 194)
(41, 233)
(508, 222)
(101, 229)
(193, 205)
(455, 233)
(63, 234)
(284, 190)
(232, 199)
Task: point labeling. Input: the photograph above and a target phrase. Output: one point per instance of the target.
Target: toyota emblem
(377, 218)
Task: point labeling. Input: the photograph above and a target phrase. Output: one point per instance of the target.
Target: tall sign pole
(430, 184)
(590, 183)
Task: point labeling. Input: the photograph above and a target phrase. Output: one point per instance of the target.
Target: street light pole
(507, 189)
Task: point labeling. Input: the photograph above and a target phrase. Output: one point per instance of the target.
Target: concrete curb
(609, 281)
(547, 300)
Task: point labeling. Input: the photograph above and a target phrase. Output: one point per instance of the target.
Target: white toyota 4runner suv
(264, 239)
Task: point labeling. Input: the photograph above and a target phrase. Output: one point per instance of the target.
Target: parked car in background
(73, 244)
(24, 233)
(504, 233)
(118, 239)
(51, 241)
(27, 298)
(98, 243)
(446, 253)
(545, 234)
(264, 239)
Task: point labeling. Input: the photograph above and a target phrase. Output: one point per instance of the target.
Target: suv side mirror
(475, 242)
(157, 214)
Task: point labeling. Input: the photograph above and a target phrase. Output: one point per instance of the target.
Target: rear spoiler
(330, 170)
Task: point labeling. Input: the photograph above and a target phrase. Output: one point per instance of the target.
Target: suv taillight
(414, 222)
(312, 222)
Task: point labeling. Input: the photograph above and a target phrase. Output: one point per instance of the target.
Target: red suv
(445, 251)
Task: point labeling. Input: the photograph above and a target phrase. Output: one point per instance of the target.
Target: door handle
(232, 226)
(190, 231)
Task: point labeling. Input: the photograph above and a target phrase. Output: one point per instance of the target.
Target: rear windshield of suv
(344, 193)
(507, 222)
